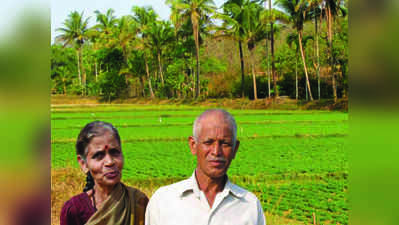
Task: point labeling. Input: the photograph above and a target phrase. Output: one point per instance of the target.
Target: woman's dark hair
(91, 130)
(89, 182)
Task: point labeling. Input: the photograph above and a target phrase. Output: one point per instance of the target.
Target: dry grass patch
(67, 182)
(272, 219)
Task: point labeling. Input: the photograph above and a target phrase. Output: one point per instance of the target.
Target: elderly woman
(105, 200)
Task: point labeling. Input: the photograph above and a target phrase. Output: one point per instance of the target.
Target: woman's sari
(124, 206)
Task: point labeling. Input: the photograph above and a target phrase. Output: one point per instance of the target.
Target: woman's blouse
(77, 210)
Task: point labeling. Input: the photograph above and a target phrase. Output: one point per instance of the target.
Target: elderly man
(207, 197)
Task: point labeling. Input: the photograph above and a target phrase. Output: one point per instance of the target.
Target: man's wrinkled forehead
(216, 123)
(215, 117)
(218, 132)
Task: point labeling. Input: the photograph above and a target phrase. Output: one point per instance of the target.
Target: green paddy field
(296, 162)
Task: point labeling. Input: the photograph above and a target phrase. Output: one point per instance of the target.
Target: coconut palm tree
(315, 12)
(255, 32)
(271, 16)
(197, 11)
(159, 35)
(297, 10)
(145, 17)
(292, 38)
(103, 33)
(272, 49)
(123, 37)
(106, 24)
(74, 33)
(185, 47)
(125, 33)
(240, 20)
(332, 9)
(236, 16)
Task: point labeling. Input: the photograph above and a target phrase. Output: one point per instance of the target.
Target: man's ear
(82, 164)
(192, 144)
(236, 148)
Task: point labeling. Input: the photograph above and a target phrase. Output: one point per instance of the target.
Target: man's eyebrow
(208, 139)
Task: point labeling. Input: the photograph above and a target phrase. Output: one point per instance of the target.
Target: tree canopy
(242, 49)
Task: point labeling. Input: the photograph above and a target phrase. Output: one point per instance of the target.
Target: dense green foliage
(203, 52)
(294, 161)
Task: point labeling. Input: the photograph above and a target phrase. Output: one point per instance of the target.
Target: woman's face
(104, 160)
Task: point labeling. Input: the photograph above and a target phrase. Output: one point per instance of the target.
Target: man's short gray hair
(226, 115)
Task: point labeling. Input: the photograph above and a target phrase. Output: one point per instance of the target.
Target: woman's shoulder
(71, 203)
(77, 208)
(77, 201)
(139, 196)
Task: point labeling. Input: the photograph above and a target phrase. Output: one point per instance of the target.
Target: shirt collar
(191, 185)
(234, 189)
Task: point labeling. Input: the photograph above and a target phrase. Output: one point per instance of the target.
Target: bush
(112, 85)
(261, 87)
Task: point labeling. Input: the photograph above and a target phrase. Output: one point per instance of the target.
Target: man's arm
(261, 215)
(152, 212)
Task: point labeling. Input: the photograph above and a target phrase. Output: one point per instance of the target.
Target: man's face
(214, 148)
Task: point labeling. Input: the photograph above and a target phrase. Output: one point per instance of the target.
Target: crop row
(244, 130)
(190, 124)
(258, 156)
(327, 200)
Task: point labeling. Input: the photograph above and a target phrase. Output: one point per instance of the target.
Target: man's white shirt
(183, 203)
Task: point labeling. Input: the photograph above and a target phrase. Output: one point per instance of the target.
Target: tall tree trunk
(78, 61)
(317, 54)
(253, 72)
(148, 77)
(125, 60)
(196, 40)
(160, 68)
(267, 59)
(242, 69)
(306, 92)
(344, 90)
(137, 89)
(193, 74)
(296, 73)
(142, 86)
(95, 67)
(125, 56)
(179, 91)
(197, 83)
(267, 65)
(304, 65)
(272, 51)
(156, 78)
(82, 68)
(64, 81)
(268, 70)
(330, 45)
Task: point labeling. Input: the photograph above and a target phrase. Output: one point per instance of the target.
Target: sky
(61, 8)
(11, 12)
